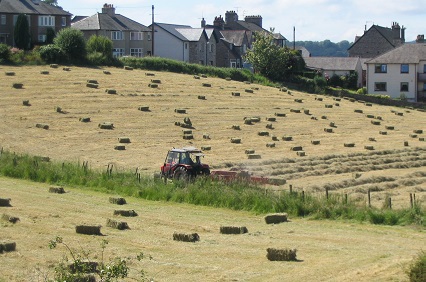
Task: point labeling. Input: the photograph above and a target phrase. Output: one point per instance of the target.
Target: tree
(50, 35)
(273, 61)
(72, 42)
(101, 44)
(21, 32)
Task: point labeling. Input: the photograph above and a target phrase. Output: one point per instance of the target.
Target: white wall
(168, 46)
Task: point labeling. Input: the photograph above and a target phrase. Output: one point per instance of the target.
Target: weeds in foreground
(416, 271)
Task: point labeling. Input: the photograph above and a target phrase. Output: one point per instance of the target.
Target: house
(303, 51)
(399, 73)
(232, 47)
(41, 16)
(377, 40)
(340, 66)
(129, 37)
(184, 43)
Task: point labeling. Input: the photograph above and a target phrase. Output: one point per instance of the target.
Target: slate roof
(405, 54)
(332, 63)
(278, 36)
(191, 34)
(101, 21)
(30, 8)
(172, 29)
(235, 37)
(237, 25)
(386, 32)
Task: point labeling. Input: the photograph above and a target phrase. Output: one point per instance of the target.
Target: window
(46, 21)
(117, 35)
(117, 52)
(41, 38)
(149, 36)
(233, 64)
(186, 46)
(136, 52)
(380, 86)
(136, 36)
(64, 21)
(404, 86)
(381, 68)
(3, 20)
(404, 68)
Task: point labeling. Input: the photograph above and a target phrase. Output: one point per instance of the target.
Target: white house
(399, 73)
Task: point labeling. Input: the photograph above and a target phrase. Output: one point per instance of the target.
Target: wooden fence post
(390, 203)
(303, 195)
(326, 193)
(369, 198)
(411, 200)
(291, 189)
(346, 199)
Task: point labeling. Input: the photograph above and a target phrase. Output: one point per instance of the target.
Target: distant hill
(325, 48)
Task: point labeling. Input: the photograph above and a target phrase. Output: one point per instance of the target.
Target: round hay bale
(275, 138)
(197, 77)
(269, 126)
(276, 218)
(193, 237)
(124, 140)
(143, 108)
(375, 122)
(263, 133)
(378, 117)
(153, 85)
(319, 98)
(421, 139)
(111, 91)
(233, 230)
(228, 79)
(119, 147)
(236, 94)
(297, 111)
(58, 109)
(369, 116)
(207, 85)
(180, 111)
(201, 97)
(106, 125)
(281, 254)
(117, 200)
(106, 72)
(26, 103)
(247, 82)
(298, 100)
(337, 99)
(128, 68)
(399, 113)
(323, 117)
(125, 213)
(203, 75)
(368, 104)
(315, 142)
(369, 147)
(88, 229)
(301, 153)
(54, 66)
(93, 81)
(352, 99)
(287, 138)
(236, 140)
(42, 125)
(44, 72)
(5, 202)
(206, 148)
(84, 119)
(372, 139)
(249, 151)
(296, 148)
(332, 124)
(283, 89)
(248, 121)
(57, 190)
(280, 114)
(270, 145)
(306, 112)
(187, 131)
(358, 111)
(253, 156)
(120, 225)
(418, 131)
(249, 90)
(349, 145)
(337, 104)
(254, 119)
(187, 120)
(92, 85)
(18, 85)
(10, 73)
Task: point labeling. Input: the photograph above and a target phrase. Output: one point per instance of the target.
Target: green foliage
(50, 35)
(72, 42)
(320, 83)
(326, 48)
(272, 61)
(348, 81)
(362, 91)
(4, 53)
(100, 44)
(51, 2)
(99, 59)
(21, 33)
(22, 57)
(52, 54)
(417, 270)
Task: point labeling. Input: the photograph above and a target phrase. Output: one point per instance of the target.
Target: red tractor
(184, 164)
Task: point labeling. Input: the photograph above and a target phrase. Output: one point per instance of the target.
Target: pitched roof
(101, 21)
(278, 36)
(386, 32)
(332, 63)
(235, 37)
(172, 29)
(236, 25)
(404, 54)
(191, 34)
(30, 7)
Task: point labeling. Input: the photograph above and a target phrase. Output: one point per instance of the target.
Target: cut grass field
(326, 250)
(391, 169)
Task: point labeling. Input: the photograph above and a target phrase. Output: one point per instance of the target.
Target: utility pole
(152, 36)
(294, 38)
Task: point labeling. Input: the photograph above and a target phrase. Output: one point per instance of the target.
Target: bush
(22, 32)
(99, 59)
(417, 270)
(320, 82)
(4, 53)
(72, 43)
(50, 35)
(52, 54)
(100, 44)
(362, 91)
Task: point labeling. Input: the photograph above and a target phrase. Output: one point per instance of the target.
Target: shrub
(22, 32)
(320, 83)
(52, 54)
(99, 59)
(362, 91)
(417, 270)
(72, 43)
(50, 35)
(100, 44)
(4, 53)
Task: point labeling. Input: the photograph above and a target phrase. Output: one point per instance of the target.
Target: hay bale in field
(120, 147)
(149, 74)
(248, 121)
(58, 109)
(281, 254)
(314, 118)
(26, 103)
(319, 98)
(187, 121)
(92, 81)
(333, 124)
(296, 148)
(143, 108)
(287, 138)
(88, 229)
(236, 127)
(187, 131)
(201, 97)
(301, 153)
(390, 127)
(306, 112)
(249, 151)
(44, 72)
(54, 66)
(228, 79)
(328, 130)
(337, 104)
(297, 111)
(9, 73)
(328, 106)
(5, 202)
(383, 132)
(157, 81)
(153, 85)
(84, 119)
(207, 85)
(236, 140)
(66, 69)
(128, 68)
(92, 85)
(406, 143)
(180, 111)
(349, 145)
(253, 156)
(255, 88)
(111, 91)
(274, 138)
(276, 218)
(233, 230)
(203, 75)
(399, 113)
(106, 125)
(323, 117)
(269, 126)
(271, 119)
(421, 139)
(197, 77)
(124, 140)
(418, 131)
(206, 136)
(368, 104)
(375, 122)
(125, 213)
(413, 135)
(117, 200)
(315, 142)
(106, 72)
(206, 148)
(193, 237)
(280, 114)
(298, 100)
(7, 247)
(352, 99)
(120, 225)
(18, 85)
(358, 111)
(249, 90)
(283, 89)
(263, 133)
(369, 147)
(57, 190)
(372, 139)
(369, 116)
(378, 117)
(236, 94)
(188, 136)
(11, 219)
(42, 125)
(255, 119)
(270, 145)
(337, 99)
(247, 82)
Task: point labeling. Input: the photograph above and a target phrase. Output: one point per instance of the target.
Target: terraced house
(129, 37)
(41, 16)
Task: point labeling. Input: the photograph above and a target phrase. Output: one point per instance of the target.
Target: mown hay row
(88, 229)
(276, 218)
(7, 247)
(57, 190)
(125, 213)
(233, 230)
(194, 237)
(120, 225)
(117, 200)
(281, 254)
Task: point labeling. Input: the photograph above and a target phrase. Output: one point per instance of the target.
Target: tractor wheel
(181, 174)
(205, 172)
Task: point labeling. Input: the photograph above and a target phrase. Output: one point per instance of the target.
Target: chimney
(403, 34)
(257, 20)
(231, 16)
(203, 23)
(219, 22)
(420, 38)
(108, 9)
(396, 29)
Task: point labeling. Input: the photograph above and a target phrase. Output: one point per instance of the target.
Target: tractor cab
(184, 163)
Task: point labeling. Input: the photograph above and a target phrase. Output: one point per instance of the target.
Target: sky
(313, 20)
